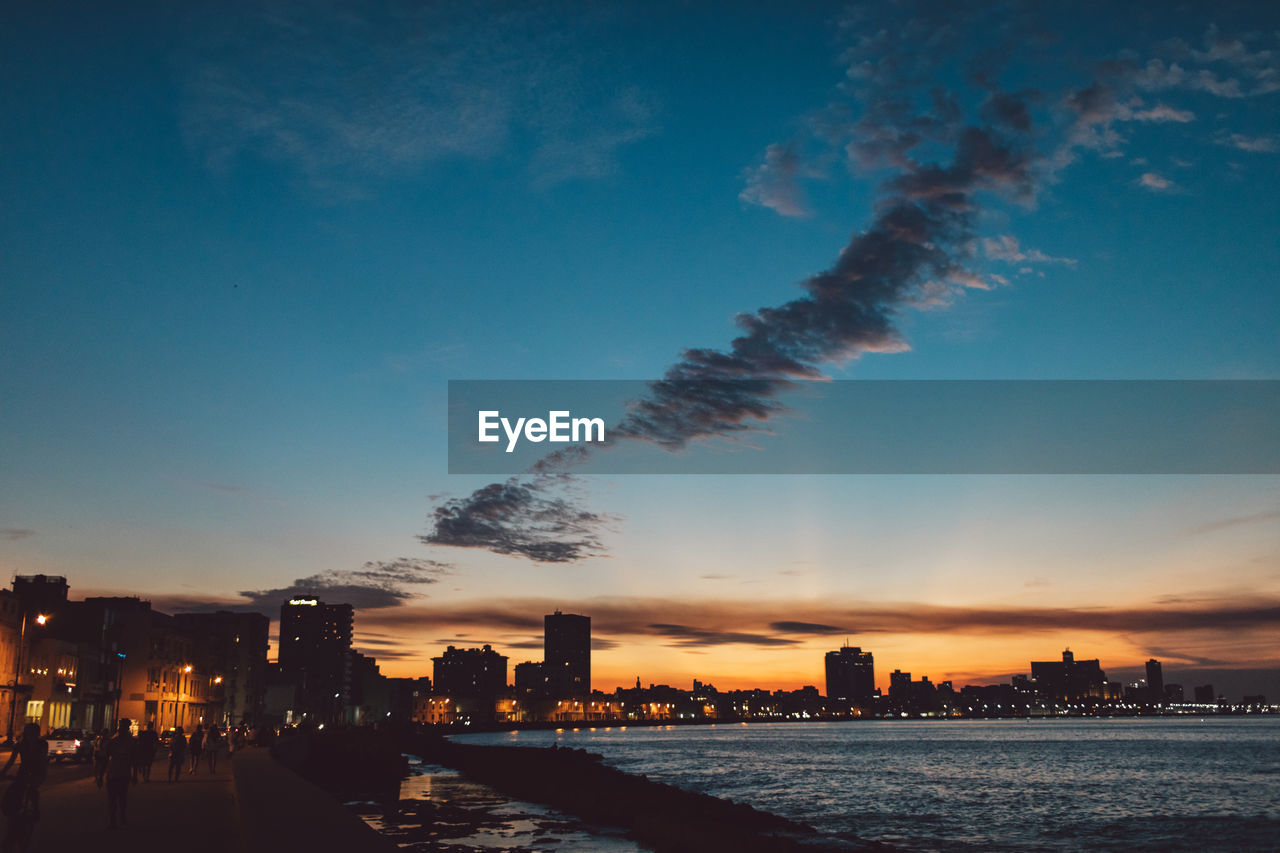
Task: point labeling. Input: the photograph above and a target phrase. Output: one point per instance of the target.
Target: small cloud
(13, 534)
(714, 577)
(1156, 183)
(806, 628)
(1161, 112)
(1007, 248)
(1253, 144)
(775, 182)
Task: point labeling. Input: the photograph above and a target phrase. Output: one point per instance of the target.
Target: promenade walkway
(250, 804)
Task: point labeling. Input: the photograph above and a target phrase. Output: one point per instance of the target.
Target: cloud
(13, 534)
(1157, 75)
(374, 585)
(1006, 248)
(346, 95)
(775, 182)
(806, 628)
(942, 157)
(752, 622)
(1223, 524)
(1161, 112)
(530, 518)
(685, 636)
(1254, 144)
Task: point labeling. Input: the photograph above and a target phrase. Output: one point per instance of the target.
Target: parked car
(70, 744)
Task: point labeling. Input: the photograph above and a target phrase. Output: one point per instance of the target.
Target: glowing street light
(41, 618)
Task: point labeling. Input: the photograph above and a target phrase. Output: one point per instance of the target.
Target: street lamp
(41, 619)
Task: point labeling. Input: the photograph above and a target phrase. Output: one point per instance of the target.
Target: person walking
(21, 801)
(195, 746)
(116, 767)
(177, 753)
(212, 746)
(148, 741)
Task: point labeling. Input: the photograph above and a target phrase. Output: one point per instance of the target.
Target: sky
(244, 249)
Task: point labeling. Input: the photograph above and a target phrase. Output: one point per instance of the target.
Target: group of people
(120, 760)
(188, 749)
(124, 759)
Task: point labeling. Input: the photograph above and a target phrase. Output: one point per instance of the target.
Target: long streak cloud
(941, 153)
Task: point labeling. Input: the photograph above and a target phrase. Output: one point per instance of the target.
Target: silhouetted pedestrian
(148, 741)
(195, 746)
(177, 753)
(21, 801)
(116, 767)
(212, 746)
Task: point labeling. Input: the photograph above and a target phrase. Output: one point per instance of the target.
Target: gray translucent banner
(866, 427)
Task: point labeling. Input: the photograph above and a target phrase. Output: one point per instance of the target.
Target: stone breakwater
(667, 818)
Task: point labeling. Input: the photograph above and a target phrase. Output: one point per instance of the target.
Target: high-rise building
(1155, 679)
(566, 645)
(315, 646)
(851, 675)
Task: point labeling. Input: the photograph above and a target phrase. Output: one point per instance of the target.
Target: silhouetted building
(530, 682)
(315, 646)
(899, 685)
(470, 673)
(1204, 694)
(566, 645)
(851, 675)
(1070, 680)
(237, 648)
(45, 594)
(1155, 679)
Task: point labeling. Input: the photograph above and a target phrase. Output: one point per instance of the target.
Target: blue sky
(241, 253)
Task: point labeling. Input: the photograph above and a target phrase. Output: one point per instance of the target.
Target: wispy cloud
(347, 94)
(1253, 144)
(1238, 521)
(374, 585)
(1006, 248)
(13, 534)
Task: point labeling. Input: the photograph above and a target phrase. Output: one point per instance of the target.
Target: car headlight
(75, 744)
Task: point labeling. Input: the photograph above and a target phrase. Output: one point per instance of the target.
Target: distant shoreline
(451, 730)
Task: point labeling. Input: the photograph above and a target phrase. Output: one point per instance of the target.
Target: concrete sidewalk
(195, 815)
(259, 807)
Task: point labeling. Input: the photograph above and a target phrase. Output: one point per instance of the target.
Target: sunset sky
(242, 253)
